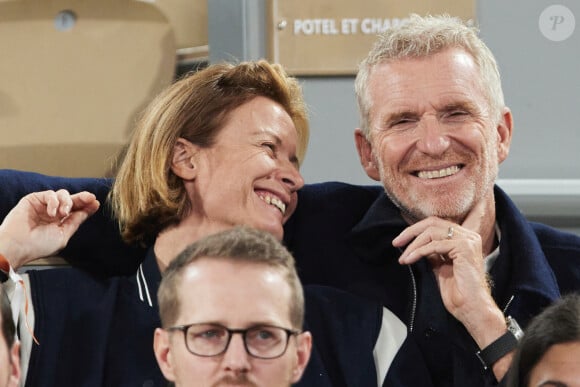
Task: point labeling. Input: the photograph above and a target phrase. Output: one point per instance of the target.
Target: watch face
(514, 328)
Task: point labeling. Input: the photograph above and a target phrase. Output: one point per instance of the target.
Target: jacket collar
(148, 278)
(521, 269)
(371, 237)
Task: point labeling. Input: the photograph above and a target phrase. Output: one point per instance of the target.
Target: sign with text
(330, 37)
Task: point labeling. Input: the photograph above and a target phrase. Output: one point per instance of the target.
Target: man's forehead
(224, 275)
(223, 290)
(207, 266)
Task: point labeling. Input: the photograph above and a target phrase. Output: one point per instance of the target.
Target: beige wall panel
(188, 19)
(69, 96)
(330, 37)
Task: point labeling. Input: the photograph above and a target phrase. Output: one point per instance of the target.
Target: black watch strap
(502, 346)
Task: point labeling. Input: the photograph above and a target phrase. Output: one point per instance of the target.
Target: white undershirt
(392, 335)
(492, 257)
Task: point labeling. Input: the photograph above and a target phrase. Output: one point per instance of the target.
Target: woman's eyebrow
(552, 383)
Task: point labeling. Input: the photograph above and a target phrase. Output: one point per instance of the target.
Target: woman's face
(559, 367)
(250, 175)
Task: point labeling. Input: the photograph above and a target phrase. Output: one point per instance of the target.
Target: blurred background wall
(111, 57)
(539, 66)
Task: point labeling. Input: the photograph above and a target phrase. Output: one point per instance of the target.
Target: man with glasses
(232, 312)
(232, 309)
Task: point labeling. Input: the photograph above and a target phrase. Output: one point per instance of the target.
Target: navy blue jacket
(341, 236)
(96, 330)
(99, 332)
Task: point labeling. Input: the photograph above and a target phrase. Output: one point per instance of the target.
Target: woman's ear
(182, 162)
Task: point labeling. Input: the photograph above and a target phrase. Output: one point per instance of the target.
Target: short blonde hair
(239, 244)
(146, 196)
(422, 37)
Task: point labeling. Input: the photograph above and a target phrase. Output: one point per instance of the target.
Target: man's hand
(42, 223)
(456, 256)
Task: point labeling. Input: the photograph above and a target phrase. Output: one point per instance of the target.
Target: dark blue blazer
(99, 332)
(341, 237)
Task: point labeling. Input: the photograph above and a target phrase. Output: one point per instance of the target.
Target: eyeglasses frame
(231, 332)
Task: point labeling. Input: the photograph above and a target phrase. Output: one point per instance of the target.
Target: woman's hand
(42, 223)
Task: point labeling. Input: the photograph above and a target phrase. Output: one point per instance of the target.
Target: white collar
(492, 257)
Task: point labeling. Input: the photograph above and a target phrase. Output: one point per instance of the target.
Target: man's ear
(303, 350)
(504, 129)
(365, 155)
(182, 161)
(15, 372)
(163, 353)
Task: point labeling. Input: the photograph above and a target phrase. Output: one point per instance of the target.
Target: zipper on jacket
(508, 304)
(413, 301)
(413, 311)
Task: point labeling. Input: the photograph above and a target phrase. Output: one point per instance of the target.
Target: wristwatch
(504, 344)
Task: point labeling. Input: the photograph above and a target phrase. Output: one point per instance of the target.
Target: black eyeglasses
(260, 341)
